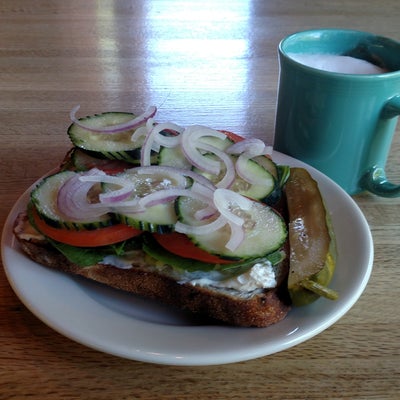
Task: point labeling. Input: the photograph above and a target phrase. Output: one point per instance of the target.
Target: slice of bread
(259, 308)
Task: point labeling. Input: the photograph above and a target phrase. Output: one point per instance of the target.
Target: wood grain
(213, 63)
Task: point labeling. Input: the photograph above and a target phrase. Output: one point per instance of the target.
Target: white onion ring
(129, 125)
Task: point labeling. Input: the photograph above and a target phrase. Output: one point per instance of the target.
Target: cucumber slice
(254, 191)
(265, 230)
(268, 164)
(173, 157)
(220, 144)
(80, 160)
(117, 146)
(159, 218)
(44, 198)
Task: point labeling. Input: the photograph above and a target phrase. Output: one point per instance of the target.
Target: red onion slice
(205, 213)
(190, 146)
(229, 176)
(201, 229)
(147, 146)
(124, 192)
(242, 170)
(130, 206)
(227, 201)
(154, 139)
(129, 125)
(194, 148)
(248, 149)
(139, 132)
(160, 197)
(237, 237)
(169, 141)
(203, 190)
(167, 195)
(73, 202)
(252, 147)
(231, 205)
(208, 194)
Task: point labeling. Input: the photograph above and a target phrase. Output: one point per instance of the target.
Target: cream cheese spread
(119, 262)
(260, 276)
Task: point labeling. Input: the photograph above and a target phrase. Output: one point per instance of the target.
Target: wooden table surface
(211, 62)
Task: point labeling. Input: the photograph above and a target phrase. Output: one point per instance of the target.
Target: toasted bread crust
(259, 310)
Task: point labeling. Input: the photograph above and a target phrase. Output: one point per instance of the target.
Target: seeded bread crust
(258, 310)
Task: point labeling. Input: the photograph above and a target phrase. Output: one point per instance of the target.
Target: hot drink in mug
(338, 63)
(338, 105)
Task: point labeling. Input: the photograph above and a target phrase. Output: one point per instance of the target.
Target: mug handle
(375, 179)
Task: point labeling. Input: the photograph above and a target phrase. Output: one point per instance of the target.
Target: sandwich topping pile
(197, 218)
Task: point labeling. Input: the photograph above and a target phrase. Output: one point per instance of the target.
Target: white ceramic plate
(127, 326)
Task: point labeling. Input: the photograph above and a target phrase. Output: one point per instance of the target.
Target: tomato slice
(180, 245)
(91, 238)
(233, 136)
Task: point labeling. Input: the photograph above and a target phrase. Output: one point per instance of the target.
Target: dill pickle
(311, 239)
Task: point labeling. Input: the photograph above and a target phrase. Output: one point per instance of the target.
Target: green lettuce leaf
(86, 256)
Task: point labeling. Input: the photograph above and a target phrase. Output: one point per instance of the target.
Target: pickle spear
(312, 245)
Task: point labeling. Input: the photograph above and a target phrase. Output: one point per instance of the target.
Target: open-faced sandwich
(194, 217)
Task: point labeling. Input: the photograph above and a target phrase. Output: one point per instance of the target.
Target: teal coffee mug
(338, 105)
